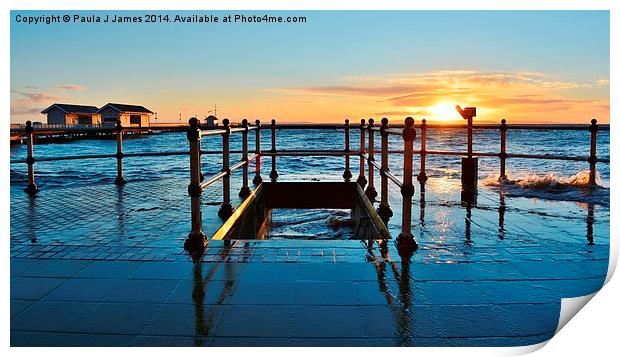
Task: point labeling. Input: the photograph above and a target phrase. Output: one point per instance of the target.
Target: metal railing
(30, 132)
(198, 182)
(592, 158)
(368, 163)
(197, 237)
(366, 154)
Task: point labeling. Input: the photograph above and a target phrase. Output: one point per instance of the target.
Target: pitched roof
(127, 108)
(72, 108)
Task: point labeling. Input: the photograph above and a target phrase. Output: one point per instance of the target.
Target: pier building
(72, 114)
(128, 114)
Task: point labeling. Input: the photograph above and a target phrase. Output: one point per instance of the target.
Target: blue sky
(338, 64)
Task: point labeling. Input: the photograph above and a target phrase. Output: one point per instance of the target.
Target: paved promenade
(105, 266)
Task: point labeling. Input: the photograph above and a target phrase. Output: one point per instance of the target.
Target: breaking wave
(553, 187)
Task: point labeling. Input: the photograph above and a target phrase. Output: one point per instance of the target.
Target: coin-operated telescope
(469, 163)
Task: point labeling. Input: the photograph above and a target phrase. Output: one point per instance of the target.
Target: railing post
(257, 178)
(406, 241)
(592, 159)
(371, 192)
(32, 187)
(347, 171)
(196, 237)
(226, 209)
(273, 175)
(384, 210)
(120, 180)
(502, 154)
(361, 179)
(422, 177)
(245, 190)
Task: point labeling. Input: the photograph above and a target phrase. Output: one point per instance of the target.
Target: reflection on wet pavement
(488, 273)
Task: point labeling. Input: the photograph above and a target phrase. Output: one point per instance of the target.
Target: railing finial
(409, 131)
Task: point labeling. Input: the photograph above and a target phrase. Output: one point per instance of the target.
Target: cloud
(72, 87)
(522, 91)
(29, 102)
(422, 112)
(35, 97)
(602, 82)
(24, 111)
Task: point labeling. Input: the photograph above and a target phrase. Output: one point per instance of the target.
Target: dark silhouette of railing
(366, 154)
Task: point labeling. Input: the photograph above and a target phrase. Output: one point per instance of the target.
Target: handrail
(310, 153)
(111, 128)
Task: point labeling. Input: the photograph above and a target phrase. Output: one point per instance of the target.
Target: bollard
(257, 178)
(469, 164)
(196, 237)
(502, 153)
(384, 210)
(226, 209)
(592, 159)
(371, 192)
(32, 187)
(347, 171)
(405, 241)
(422, 178)
(361, 179)
(273, 175)
(120, 180)
(245, 190)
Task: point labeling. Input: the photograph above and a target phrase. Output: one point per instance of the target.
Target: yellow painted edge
(370, 209)
(222, 232)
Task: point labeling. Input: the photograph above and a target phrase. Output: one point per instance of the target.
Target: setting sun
(443, 111)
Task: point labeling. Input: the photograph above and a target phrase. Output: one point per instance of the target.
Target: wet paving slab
(122, 278)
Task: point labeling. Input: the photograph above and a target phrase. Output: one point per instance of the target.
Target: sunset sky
(525, 66)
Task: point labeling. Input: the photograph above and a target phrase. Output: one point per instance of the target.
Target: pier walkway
(120, 276)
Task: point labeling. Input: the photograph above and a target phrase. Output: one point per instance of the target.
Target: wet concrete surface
(103, 266)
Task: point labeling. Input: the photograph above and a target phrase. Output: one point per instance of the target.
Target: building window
(85, 120)
(134, 120)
